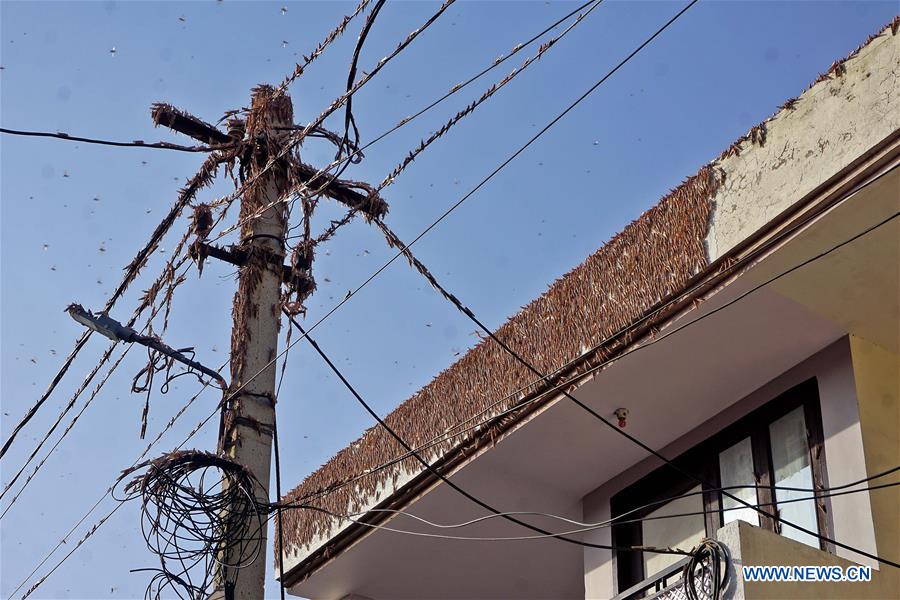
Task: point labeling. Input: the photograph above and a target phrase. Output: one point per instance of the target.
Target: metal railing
(665, 585)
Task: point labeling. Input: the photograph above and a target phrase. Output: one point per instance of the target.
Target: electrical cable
(109, 491)
(201, 179)
(815, 493)
(279, 525)
(134, 144)
(468, 312)
(583, 528)
(439, 475)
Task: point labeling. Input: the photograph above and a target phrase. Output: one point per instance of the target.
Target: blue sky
(73, 215)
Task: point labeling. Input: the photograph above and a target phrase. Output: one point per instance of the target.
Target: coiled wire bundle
(198, 513)
(705, 564)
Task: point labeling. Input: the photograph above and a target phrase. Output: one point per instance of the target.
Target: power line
(109, 491)
(560, 388)
(584, 527)
(133, 144)
(822, 492)
(468, 312)
(438, 474)
(201, 179)
(484, 181)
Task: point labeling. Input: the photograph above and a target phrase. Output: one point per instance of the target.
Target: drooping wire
(545, 378)
(447, 481)
(158, 363)
(621, 519)
(197, 510)
(109, 490)
(202, 178)
(348, 143)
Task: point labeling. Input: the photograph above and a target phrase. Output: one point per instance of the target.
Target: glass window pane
(790, 459)
(681, 532)
(736, 468)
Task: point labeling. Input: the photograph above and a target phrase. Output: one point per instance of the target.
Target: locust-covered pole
(247, 425)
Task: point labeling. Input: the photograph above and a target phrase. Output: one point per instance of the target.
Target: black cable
(816, 493)
(280, 557)
(134, 144)
(480, 74)
(349, 120)
(497, 170)
(683, 472)
(707, 557)
(457, 488)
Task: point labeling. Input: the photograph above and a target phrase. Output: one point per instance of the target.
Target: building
(750, 325)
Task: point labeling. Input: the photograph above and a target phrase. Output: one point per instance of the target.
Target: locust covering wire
(171, 423)
(196, 508)
(201, 179)
(296, 138)
(320, 48)
(148, 300)
(444, 129)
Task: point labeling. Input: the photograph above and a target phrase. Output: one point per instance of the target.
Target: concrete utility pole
(247, 428)
(249, 420)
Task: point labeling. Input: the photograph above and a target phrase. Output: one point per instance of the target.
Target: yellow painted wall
(877, 375)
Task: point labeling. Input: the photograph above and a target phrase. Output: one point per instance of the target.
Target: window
(779, 444)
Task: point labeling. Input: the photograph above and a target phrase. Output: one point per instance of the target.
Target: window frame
(702, 461)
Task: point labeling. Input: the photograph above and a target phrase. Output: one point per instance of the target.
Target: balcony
(747, 545)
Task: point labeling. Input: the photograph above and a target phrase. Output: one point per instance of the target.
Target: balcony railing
(665, 585)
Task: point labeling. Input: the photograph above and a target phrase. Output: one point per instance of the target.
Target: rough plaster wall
(829, 126)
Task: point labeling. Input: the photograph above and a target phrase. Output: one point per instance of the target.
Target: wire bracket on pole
(112, 329)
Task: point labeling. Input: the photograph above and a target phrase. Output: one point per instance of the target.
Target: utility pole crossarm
(341, 190)
(187, 124)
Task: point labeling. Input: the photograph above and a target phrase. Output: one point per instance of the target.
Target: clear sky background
(73, 215)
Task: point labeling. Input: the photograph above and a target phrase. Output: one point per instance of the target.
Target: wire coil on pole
(196, 508)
